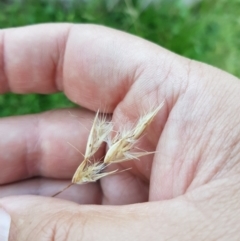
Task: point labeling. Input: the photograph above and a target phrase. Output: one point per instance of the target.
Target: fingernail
(5, 222)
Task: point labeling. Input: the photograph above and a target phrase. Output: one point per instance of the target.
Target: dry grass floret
(120, 148)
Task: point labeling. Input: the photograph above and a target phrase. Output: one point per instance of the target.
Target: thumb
(41, 218)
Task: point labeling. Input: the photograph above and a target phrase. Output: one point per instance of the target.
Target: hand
(189, 190)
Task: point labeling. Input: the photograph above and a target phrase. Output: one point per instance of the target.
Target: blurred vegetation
(208, 31)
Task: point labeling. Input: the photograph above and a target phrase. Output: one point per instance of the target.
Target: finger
(52, 219)
(85, 61)
(49, 58)
(38, 145)
(82, 194)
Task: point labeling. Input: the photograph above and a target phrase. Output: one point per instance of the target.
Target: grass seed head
(121, 147)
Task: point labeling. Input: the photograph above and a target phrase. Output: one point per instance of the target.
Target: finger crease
(61, 61)
(3, 74)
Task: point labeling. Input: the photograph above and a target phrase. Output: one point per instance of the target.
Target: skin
(188, 190)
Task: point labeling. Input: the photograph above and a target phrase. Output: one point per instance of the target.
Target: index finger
(94, 66)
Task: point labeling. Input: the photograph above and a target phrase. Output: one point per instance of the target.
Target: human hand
(189, 190)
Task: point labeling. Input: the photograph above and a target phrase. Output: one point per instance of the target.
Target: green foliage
(13, 104)
(208, 32)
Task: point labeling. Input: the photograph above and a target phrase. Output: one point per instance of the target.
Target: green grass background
(208, 31)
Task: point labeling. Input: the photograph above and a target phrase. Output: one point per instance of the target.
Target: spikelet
(120, 147)
(88, 171)
(98, 134)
